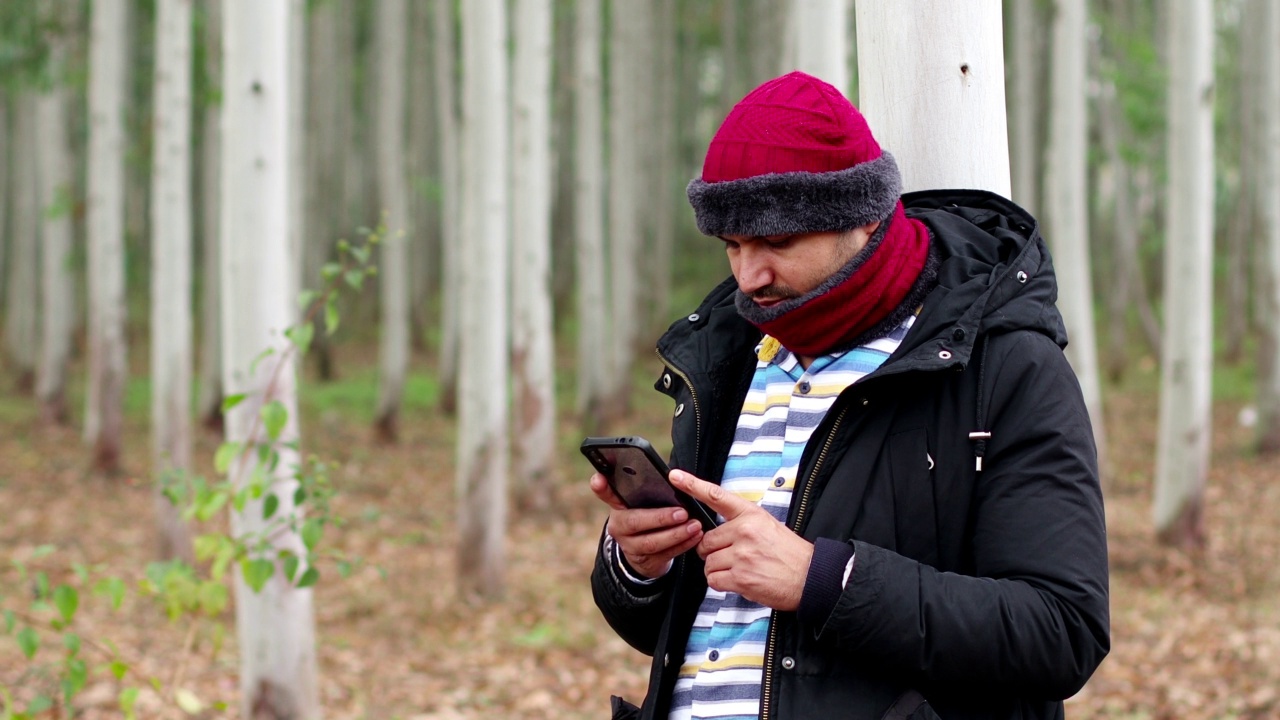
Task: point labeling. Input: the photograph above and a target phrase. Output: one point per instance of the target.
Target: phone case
(639, 476)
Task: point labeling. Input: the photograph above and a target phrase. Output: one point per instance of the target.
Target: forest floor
(1194, 636)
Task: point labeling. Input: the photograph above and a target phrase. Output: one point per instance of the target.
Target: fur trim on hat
(798, 202)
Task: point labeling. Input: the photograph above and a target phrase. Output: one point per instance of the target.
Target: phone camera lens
(628, 470)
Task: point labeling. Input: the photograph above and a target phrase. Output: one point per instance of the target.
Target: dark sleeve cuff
(824, 582)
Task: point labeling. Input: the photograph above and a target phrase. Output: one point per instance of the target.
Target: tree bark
(1067, 204)
(1025, 64)
(1269, 206)
(931, 79)
(1182, 460)
(171, 271)
(276, 628)
(21, 292)
(56, 190)
(104, 421)
(820, 40)
(533, 342)
(209, 404)
(422, 166)
(589, 244)
(450, 208)
(483, 359)
(393, 273)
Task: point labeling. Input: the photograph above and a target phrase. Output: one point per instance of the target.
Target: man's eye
(779, 243)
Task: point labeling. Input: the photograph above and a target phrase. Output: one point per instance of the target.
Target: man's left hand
(751, 554)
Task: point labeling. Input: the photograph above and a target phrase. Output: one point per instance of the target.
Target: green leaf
(354, 278)
(213, 598)
(67, 600)
(226, 454)
(73, 682)
(301, 336)
(253, 366)
(71, 642)
(9, 621)
(309, 577)
(274, 417)
(113, 588)
(39, 704)
(270, 505)
(305, 298)
(257, 572)
(128, 698)
(330, 271)
(299, 496)
(119, 669)
(42, 550)
(231, 401)
(42, 586)
(331, 315)
(361, 254)
(344, 569)
(81, 571)
(210, 504)
(290, 563)
(312, 530)
(28, 641)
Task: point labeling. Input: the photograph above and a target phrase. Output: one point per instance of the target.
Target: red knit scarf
(879, 279)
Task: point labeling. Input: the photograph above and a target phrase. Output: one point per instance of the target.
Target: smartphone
(639, 476)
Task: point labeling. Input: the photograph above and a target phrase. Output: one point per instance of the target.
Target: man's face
(773, 268)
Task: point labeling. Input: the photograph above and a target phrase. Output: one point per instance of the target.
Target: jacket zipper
(697, 409)
(771, 646)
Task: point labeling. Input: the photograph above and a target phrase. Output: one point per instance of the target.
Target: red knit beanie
(793, 156)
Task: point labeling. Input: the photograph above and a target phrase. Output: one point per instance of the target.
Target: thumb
(714, 496)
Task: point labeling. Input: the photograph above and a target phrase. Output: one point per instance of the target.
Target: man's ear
(871, 227)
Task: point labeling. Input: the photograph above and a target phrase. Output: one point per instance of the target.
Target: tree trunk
(820, 39)
(422, 166)
(533, 344)
(276, 629)
(1067, 204)
(665, 163)
(209, 405)
(589, 243)
(1025, 63)
(1269, 205)
(483, 359)
(104, 421)
(1182, 460)
(564, 199)
(931, 80)
(171, 271)
(628, 36)
(21, 292)
(450, 209)
(6, 138)
(393, 274)
(1124, 242)
(56, 190)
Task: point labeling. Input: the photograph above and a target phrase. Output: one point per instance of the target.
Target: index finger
(714, 496)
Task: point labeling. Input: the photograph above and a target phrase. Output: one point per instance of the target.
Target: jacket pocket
(915, 517)
(911, 705)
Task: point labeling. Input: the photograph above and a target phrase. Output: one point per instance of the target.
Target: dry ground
(1193, 636)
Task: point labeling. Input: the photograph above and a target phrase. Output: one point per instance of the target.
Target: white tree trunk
(627, 38)
(589, 242)
(393, 275)
(1269, 194)
(276, 628)
(1182, 460)
(171, 268)
(931, 80)
(669, 195)
(532, 349)
(483, 360)
(209, 405)
(1025, 61)
(1067, 203)
(104, 420)
(818, 38)
(21, 290)
(56, 188)
(422, 163)
(450, 207)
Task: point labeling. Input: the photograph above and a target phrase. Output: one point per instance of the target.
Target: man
(878, 407)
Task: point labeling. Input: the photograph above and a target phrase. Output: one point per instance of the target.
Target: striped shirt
(724, 659)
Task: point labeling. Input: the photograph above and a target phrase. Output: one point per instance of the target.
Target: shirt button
(779, 482)
(788, 663)
(804, 387)
(714, 655)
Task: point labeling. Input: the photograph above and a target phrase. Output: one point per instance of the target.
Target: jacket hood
(995, 275)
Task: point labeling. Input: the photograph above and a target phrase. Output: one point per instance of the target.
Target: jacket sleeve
(633, 610)
(1033, 618)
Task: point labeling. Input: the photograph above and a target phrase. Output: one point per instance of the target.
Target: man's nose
(754, 271)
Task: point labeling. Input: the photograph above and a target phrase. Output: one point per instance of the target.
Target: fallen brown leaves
(1193, 636)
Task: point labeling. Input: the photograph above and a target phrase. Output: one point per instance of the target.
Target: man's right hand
(649, 538)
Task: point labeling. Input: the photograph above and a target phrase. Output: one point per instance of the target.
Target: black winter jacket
(982, 590)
